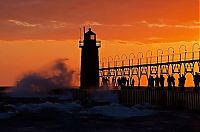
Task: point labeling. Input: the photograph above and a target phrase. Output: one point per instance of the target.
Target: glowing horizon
(35, 33)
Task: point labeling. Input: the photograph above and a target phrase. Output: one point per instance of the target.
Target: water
(72, 117)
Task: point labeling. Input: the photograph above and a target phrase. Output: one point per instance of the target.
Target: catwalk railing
(131, 65)
(163, 98)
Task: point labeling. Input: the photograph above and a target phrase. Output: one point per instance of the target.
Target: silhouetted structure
(162, 81)
(139, 65)
(150, 82)
(157, 80)
(89, 60)
(196, 82)
(132, 83)
(181, 81)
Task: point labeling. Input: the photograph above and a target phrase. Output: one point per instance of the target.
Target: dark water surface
(54, 121)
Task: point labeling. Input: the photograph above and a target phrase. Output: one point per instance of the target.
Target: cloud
(56, 24)
(158, 25)
(196, 22)
(187, 26)
(155, 38)
(126, 25)
(59, 24)
(92, 23)
(95, 23)
(23, 23)
(122, 42)
(144, 22)
(119, 25)
(163, 25)
(49, 24)
(126, 42)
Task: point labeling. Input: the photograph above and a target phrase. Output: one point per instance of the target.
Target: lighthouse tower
(89, 60)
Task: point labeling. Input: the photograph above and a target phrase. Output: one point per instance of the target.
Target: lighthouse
(89, 60)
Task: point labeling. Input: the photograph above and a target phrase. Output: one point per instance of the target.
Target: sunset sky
(34, 33)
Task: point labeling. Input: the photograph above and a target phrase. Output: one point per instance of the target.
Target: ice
(6, 115)
(35, 108)
(66, 97)
(113, 110)
(118, 111)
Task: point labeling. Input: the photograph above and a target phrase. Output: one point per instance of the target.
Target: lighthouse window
(92, 37)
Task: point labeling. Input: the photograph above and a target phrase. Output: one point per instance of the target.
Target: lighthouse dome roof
(89, 32)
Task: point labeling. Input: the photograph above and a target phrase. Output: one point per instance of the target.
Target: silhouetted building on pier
(89, 60)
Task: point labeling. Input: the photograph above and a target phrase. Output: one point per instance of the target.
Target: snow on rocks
(34, 108)
(118, 111)
(6, 115)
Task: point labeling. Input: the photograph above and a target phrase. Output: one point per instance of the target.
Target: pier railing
(138, 65)
(187, 101)
(174, 100)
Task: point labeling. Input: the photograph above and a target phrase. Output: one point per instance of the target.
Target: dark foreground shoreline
(51, 120)
(54, 121)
